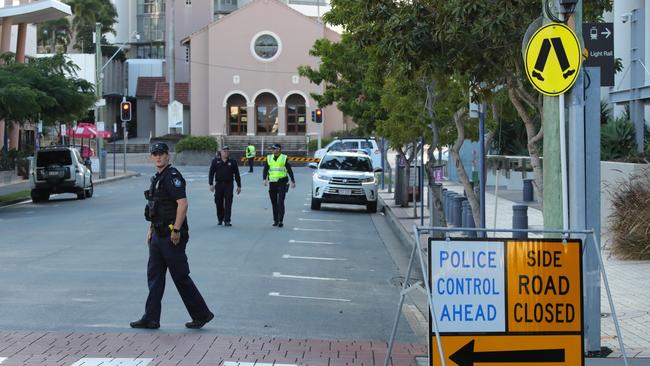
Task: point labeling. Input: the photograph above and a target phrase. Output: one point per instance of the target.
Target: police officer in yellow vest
(250, 155)
(278, 171)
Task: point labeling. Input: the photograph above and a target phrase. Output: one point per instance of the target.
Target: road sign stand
(418, 251)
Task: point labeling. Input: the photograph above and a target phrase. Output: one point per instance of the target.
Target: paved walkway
(627, 279)
(191, 348)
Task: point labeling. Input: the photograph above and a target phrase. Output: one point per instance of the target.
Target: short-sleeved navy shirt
(173, 183)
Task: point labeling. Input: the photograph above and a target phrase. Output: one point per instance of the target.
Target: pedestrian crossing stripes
(234, 363)
(290, 158)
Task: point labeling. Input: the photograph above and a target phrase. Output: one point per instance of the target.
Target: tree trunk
(534, 137)
(435, 141)
(459, 120)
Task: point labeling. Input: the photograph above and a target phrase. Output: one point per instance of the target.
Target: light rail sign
(507, 301)
(553, 57)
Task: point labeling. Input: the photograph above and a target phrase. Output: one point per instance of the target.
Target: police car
(344, 177)
(59, 169)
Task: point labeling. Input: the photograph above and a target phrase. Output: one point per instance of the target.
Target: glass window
(366, 145)
(336, 146)
(266, 46)
(46, 158)
(354, 163)
(350, 145)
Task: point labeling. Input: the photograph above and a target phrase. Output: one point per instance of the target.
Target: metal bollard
(450, 203)
(468, 219)
(456, 211)
(529, 193)
(444, 200)
(520, 220)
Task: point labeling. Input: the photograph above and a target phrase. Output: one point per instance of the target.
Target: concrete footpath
(627, 279)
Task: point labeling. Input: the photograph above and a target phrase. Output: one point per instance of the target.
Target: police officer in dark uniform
(167, 238)
(223, 171)
(277, 171)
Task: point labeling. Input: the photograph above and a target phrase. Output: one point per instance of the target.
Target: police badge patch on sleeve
(177, 182)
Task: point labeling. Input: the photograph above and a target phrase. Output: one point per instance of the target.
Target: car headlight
(368, 180)
(323, 177)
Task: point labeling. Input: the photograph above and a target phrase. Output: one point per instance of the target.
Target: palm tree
(86, 14)
(54, 35)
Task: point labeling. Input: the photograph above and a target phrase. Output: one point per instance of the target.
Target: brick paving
(65, 349)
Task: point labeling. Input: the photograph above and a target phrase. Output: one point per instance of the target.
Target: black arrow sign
(467, 357)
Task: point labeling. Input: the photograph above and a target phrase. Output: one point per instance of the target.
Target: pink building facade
(244, 74)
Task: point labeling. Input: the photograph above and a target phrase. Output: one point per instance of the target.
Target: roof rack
(354, 138)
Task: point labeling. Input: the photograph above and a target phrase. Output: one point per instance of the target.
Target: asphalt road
(81, 265)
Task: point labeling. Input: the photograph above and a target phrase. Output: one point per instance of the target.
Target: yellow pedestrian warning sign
(553, 58)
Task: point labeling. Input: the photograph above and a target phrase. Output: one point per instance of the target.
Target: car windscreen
(353, 163)
(47, 158)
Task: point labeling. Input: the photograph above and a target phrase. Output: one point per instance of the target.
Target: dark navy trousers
(277, 193)
(223, 199)
(163, 254)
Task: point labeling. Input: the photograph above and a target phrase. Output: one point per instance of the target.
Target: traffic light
(125, 107)
(319, 115)
(313, 116)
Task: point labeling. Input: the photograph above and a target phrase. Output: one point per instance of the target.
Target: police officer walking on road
(167, 238)
(277, 171)
(250, 156)
(222, 172)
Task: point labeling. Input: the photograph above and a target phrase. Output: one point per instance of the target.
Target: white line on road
(280, 275)
(237, 363)
(277, 294)
(306, 204)
(2, 359)
(288, 256)
(323, 220)
(321, 230)
(312, 242)
(87, 361)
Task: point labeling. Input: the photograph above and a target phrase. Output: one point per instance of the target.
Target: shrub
(631, 217)
(617, 139)
(197, 143)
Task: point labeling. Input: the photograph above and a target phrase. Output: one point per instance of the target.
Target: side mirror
(378, 170)
(312, 166)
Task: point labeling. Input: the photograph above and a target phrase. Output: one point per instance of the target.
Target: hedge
(197, 143)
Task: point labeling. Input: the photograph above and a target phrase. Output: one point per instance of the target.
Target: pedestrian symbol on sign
(552, 59)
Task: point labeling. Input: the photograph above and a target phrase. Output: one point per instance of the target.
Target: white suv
(344, 177)
(369, 145)
(59, 170)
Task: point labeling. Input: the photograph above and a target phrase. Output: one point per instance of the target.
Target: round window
(266, 46)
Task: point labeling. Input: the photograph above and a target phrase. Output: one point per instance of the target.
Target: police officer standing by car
(167, 238)
(277, 171)
(250, 156)
(223, 171)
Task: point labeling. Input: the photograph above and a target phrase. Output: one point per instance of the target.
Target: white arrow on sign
(607, 32)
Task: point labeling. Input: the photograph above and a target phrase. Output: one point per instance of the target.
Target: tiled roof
(147, 85)
(161, 93)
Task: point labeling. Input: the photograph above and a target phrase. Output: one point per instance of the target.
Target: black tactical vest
(164, 207)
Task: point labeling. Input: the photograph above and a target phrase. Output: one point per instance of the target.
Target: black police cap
(159, 147)
(276, 146)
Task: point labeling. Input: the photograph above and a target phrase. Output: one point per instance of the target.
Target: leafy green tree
(44, 88)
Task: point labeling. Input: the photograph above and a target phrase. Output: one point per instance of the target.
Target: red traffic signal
(125, 108)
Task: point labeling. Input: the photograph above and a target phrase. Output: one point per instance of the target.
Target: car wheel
(36, 197)
(371, 207)
(90, 190)
(81, 194)
(315, 203)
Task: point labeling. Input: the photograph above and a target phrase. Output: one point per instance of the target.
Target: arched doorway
(237, 115)
(296, 115)
(266, 114)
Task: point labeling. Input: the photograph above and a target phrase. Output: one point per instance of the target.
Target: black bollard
(456, 211)
(468, 219)
(520, 220)
(528, 190)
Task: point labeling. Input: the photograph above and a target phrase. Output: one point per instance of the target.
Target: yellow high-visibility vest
(277, 167)
(250, 151)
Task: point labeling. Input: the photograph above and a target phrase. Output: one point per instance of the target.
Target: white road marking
(288, 256)
(320, 230)
(322, 220)
(306, 204)
(312, 242)
(277, 294)
(237, 363)
(280, 275)
(87, 361)
(2, 359)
